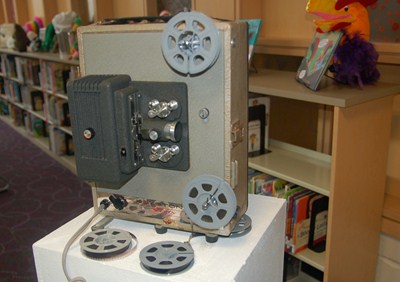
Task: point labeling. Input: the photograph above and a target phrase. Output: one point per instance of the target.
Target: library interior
(200, 140)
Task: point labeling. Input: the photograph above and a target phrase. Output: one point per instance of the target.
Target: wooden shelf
(303, 277)
(53, 57)
(303, 167)
(389, 53)
(314, 259)
(66, 129)
(391, 216)
(353, 176)
(391, 207)
(48, 144)
(38, 114)
(283, 84)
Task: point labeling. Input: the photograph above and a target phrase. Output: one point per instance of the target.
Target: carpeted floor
(42, 196)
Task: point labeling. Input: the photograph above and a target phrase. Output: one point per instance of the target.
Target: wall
(128, 8)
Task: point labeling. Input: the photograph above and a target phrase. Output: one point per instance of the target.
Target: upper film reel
(190, 43)
(209, 202)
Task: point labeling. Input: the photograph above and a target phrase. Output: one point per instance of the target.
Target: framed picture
(318, 58)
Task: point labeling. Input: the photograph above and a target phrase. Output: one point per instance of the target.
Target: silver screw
(153, 135)
(204, 113)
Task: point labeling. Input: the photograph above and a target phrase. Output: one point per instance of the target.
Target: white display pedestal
(257, 256)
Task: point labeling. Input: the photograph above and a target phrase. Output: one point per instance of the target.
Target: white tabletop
(257, 256)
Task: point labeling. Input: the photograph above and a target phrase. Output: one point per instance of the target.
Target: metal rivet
(88, 133)
(204, 113)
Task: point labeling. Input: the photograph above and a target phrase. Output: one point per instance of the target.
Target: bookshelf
(307, 168)
(352, 176)
(34, 102)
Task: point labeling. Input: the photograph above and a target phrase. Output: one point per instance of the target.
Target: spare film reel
(243, 226)
(107, 243)
(167, 257)
(209, 202)
(190, 43)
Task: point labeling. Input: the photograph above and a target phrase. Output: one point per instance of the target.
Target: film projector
(159, 120)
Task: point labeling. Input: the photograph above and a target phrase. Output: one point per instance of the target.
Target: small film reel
(167, 257)
(243, 226)
(107, 243)
(209, 202)
(190, 43)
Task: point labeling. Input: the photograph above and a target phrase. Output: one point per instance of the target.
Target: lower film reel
(167, 257)
(209, 202)
(107, 243)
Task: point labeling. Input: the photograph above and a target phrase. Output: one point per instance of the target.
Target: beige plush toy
(13, 36)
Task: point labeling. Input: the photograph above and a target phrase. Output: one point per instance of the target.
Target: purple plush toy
(355, 62)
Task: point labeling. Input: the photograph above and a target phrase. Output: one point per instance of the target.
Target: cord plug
(105, 204)
(118, 201)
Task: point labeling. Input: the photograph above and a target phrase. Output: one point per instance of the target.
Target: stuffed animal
(32, 29)
(65, 26)
(48, 44)
(13, 37)
(35, 25)
(355, 58)
(74, 50)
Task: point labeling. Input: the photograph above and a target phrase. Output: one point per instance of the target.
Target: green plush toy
(49, 39)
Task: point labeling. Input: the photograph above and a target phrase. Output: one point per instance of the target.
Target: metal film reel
(209, 201)
(167, 257)
(190, 42)
(243, 226)
(106, 243)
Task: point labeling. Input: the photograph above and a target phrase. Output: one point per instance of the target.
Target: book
(62, 113)
(56, 76)
(69, 145)
(318, 213)
(289, 196)
(66, 118)
(57, 141)
(52, 110)
(317, 58)
(37, 100)
(255, 100)
(256, 130)
(278, 188)
(260, 183)
(17, 116)
(17, 92)
(301, 222)
(254, 26)
(25, 97)
(38, 127)
(4, 108)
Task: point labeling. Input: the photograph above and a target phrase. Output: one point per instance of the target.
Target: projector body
(159, 141)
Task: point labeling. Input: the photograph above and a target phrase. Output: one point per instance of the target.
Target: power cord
(104, 204)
